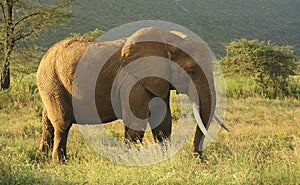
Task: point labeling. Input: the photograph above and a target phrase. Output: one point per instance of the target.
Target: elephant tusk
(196, 110)
(221, 122)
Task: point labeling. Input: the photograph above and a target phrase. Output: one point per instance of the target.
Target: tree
(22, 20)
(270, 65)
(92, 34)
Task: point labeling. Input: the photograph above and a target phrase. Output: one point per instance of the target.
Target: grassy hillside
(217, 22)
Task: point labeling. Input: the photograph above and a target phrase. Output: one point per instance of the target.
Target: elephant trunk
(203, 108)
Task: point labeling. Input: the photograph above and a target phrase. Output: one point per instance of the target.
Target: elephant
(56, 81)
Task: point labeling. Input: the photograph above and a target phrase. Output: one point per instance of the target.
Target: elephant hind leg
(60, 140)
(47, 140)
(60, 113)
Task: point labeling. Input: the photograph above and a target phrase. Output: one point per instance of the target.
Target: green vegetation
(93, 34)
(243, 87)
(269, 65)
(217, 22)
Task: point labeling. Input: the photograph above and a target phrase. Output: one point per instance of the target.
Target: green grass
(242, 87)
(263, 148)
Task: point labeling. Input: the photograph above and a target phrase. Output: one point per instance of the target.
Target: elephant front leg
(198, 142)
(47, 140)
(135, 112)
(161, 130)
(133, 136)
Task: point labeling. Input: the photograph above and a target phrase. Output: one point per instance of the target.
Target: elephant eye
(190, 71)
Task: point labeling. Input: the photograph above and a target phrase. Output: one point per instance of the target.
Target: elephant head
(190, 55)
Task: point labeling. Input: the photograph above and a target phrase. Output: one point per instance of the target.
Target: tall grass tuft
(22, 93)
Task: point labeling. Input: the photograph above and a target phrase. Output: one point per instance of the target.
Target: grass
(245, 87)
(263, 148)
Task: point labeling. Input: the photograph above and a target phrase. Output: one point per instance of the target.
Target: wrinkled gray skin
(55, 79)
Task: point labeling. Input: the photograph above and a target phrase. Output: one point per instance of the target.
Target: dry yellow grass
(263, 148)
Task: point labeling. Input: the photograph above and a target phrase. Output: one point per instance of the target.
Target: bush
(269, 65)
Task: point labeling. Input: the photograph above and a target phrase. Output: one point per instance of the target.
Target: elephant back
(58, 65)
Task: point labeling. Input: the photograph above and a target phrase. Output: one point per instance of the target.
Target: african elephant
(55, 80)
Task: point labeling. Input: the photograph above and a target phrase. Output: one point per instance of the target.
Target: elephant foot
(132, 143)
(40, 156)
(42, 152)
(133, 136)
(59, 156)
(200, 155)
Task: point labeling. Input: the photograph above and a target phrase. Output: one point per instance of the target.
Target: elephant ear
(146, 44)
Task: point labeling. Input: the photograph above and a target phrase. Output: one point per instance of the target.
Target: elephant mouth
(180, 88)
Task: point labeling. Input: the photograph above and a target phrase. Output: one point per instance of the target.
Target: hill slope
(217, 22)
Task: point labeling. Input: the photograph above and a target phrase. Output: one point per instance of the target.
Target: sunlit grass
(263, 148)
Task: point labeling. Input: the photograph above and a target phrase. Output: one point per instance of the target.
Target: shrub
(269, 65)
